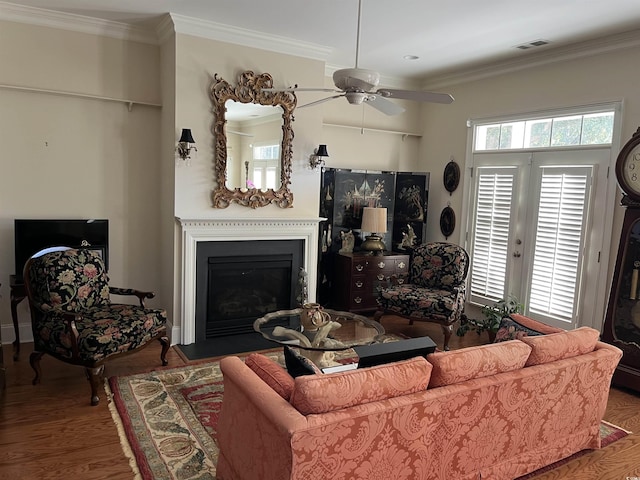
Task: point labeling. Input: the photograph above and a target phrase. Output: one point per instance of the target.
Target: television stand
(18, 293)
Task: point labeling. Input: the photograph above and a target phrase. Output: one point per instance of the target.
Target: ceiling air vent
(534, 44)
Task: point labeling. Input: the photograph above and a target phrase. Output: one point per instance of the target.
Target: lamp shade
(374, 220)
(186, 136)
(322, 151)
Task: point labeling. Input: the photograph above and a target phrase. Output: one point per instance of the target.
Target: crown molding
(75, 23)
(248, 38)
(611, 43)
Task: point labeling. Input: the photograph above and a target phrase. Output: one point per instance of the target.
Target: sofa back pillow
(271, 373)
(325, 393)
(558, 346)
(457, 366)
(297, 364)
(516, 326)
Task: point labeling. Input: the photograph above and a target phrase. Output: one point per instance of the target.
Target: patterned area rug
(167, 421)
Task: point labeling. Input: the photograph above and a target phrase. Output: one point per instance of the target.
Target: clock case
(622, 322)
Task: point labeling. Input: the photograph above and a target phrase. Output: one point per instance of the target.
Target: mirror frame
(249, 89)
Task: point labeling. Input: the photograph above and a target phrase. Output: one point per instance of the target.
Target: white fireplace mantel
(214, 230)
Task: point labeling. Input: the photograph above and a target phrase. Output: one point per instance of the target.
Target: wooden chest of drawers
(358, 277)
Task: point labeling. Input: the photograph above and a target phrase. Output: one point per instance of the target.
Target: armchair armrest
(130, 291)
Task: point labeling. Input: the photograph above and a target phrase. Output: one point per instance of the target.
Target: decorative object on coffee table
(338, 332)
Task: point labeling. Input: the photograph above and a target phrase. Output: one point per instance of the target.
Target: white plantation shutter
(559, 241)
(491, 232)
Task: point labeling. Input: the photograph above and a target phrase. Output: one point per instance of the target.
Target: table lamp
(374, 220)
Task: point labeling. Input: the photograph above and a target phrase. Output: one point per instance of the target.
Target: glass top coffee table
(343, 330)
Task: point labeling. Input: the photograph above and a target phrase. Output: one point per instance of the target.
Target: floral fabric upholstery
(500, 426)
(436, 288)
(516, 326)
(75, 281)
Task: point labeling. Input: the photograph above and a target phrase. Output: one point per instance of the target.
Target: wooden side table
(358, 277)
(18, 293)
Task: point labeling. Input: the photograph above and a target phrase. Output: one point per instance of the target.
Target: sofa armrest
(255, 426)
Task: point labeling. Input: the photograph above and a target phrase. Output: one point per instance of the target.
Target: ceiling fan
(358, 86)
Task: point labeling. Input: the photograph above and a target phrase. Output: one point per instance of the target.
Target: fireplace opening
(238, 282)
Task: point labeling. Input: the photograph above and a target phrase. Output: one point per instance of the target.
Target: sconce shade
(374, 220)
(186, 136)
(322, 151)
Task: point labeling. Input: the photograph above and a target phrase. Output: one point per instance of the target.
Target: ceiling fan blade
(320, 101)
(382, 104)
(416, 95)
(297, 89)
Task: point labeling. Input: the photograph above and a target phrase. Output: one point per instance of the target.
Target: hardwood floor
(50, 431)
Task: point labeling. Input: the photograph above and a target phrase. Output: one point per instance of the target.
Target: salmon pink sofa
(495, 411)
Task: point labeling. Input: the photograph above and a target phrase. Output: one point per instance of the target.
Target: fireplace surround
(195, 231)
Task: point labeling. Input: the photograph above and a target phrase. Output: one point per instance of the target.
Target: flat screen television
(33, 235)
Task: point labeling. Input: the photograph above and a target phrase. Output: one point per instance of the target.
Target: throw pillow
(457, 366)
(516, 326)
(334, 391)
(297, 364)
(558, 346)
(271, 373)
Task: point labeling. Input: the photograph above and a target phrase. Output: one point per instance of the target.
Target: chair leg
(165, 348)
(94, 375)
(34, 361)
(447, 330)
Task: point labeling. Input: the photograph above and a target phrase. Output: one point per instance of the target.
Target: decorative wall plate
(447, 221)
(451, 177)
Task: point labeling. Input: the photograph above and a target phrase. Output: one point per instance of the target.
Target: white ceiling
(446, 35)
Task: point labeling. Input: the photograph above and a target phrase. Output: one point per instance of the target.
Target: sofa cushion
(457, 366)
(297, 364)
(558, 346)
(516, 326)
(325, 393)
(271, 373)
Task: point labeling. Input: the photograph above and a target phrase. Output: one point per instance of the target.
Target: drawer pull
(359, 267)
(400, 281)
(381, 265)
(357, 300)
(402, 265)
(380, 276)
(359, 283)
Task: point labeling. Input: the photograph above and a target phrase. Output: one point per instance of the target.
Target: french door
(536, 231)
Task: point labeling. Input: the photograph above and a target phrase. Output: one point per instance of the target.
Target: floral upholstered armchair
(435, 291)
(73, 319)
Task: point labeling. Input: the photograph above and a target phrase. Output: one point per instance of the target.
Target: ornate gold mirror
(253, 142)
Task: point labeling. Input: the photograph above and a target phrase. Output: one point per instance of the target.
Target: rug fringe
(628, 432)
(124, 442)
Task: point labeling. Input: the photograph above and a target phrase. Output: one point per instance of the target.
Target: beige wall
(71, 157)
(584, 81)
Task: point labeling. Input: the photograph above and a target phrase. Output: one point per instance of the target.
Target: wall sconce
(185, 145)
(316, 160)
(374, 220)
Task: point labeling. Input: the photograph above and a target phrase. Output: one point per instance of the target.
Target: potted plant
(492, 315)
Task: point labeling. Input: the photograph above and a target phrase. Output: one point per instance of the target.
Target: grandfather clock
(622, 323)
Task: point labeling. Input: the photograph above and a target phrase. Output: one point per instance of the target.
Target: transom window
(564, 131)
